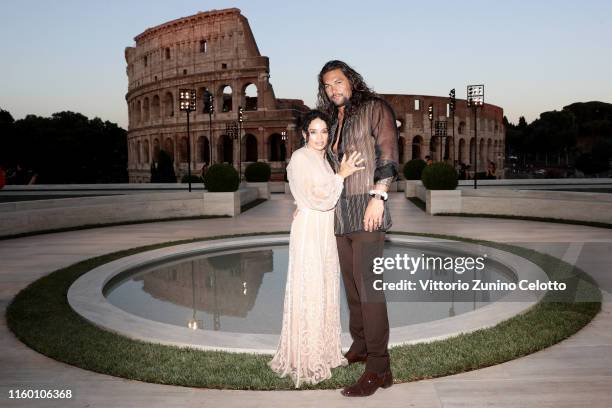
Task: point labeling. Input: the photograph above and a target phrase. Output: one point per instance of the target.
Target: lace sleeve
(311, 185)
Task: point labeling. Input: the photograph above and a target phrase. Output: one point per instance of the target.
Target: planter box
(277, 187)
(443, 201)
(263, 189)
(228, 203)
(410, 187)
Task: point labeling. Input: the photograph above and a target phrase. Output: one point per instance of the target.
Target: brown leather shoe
(353, 357)
(368, 383)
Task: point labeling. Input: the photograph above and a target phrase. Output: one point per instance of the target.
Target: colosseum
(215, 53)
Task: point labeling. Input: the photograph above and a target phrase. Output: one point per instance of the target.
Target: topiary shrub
(439, 176)
(258, 172)
(221, 178)
(194, 179)
(414, 168)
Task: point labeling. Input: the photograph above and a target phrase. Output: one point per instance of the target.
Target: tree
(69, 148)
(7, 140)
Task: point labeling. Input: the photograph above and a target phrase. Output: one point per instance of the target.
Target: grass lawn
(41, 317)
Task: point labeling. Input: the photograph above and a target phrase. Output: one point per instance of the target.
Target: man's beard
(340, 102)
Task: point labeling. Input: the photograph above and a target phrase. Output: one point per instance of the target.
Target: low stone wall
(594, 207)
(29, 216)
(96, 189)
(538, 184)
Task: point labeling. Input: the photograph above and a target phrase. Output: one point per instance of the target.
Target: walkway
(574, 373)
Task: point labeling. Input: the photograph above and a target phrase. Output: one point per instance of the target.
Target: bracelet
(381, 195)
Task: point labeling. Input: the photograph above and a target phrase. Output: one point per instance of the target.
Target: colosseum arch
(168, 105)
(496, 149)
(147, 158)
(401, 142)
(472, 151)
(137, 112)
(449, 148)
(203, 149)
(138, 153)
(183, 150)
(156, 149)
(461, 153)
(489, 149)
(461, 128)
(155, 108)
(204, 99)
(251, 96)
(482, 154)
(417, 145)
(277, 149)
(225, 149)
(226, 98)
(169, 147)
(145, 110)
(250, 144)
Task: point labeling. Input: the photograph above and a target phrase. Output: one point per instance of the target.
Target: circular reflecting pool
(242, 290)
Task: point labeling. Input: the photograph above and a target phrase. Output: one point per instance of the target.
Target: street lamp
(284, 139)
(187, 103)
(475, 100)
(240, 120)
(451, 107)
(231, 129)
(430, 115)
(211, 110)
(441, 133)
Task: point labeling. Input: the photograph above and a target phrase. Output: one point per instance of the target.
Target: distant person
(154, 173)
(204, 170)
(463, 171)
(491, 171)
(428, 160)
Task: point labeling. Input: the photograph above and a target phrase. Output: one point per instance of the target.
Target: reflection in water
(242, 290)
(225, 285)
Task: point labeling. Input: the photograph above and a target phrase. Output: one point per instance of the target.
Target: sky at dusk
(531, 56)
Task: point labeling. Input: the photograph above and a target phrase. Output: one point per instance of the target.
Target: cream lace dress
(309, 344)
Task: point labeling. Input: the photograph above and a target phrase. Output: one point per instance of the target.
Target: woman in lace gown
(309, 345)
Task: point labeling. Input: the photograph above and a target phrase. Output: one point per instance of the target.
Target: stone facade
(215, 53)
(416, 130)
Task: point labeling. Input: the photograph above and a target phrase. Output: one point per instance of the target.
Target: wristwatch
(379, 194)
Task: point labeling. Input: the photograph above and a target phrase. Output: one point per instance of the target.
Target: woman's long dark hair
(306, 120)
(360, 90)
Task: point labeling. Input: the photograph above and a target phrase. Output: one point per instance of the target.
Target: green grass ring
(41, 317)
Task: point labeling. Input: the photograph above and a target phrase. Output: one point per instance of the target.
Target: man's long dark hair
(360, 90)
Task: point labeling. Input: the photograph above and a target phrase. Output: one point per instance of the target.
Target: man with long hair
(362, 122)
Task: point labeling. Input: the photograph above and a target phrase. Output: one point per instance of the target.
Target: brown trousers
(368, 321)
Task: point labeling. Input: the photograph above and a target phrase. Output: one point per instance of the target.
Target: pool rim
(86, 298)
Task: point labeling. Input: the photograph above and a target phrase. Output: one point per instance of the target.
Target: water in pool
(242, 290)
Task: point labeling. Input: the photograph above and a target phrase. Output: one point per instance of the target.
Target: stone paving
(574, 373)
